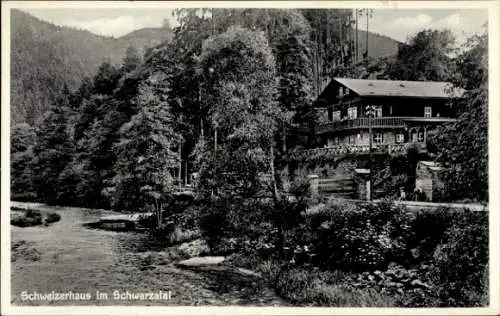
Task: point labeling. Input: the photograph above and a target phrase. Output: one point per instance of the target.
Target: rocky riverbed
(67, 256)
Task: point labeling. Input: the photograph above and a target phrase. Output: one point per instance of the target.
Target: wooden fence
(340, 187)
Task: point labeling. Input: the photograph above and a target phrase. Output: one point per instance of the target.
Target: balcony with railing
(345, 150)
(376, 122)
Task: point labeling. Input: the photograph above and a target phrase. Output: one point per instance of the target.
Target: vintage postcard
(250, 157)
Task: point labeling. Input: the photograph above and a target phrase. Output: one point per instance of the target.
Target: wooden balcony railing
(376, 122)
(340, 150)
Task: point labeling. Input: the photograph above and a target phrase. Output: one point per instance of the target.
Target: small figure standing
(402, 194)
(419, 194)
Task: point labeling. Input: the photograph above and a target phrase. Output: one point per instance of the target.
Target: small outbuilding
(429, 180)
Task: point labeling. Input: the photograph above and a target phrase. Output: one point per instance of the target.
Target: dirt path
(66, 256)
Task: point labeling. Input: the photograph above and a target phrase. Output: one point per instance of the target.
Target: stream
(69, 257)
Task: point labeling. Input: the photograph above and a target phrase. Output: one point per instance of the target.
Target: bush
(178, 236)
(237, 224)
(461, 261)
(363, 237)
(429, 229)
(31, 213)
(29, 218)
(52, 218)
(320, 288)
(409, 287)
(33, 217)
(22, 221)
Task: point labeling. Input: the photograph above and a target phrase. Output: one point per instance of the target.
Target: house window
(341, 91)
(352, 113)
(420, 138)
(400, 138)
(428, 111)
(336, 115)
(378, 111)
(346, 91)
(378, 138)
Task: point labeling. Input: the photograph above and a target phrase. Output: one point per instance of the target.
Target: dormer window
(428, 111)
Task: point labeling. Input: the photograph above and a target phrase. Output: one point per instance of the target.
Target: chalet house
(403, 112)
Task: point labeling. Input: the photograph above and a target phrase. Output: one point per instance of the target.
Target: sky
(395, 23)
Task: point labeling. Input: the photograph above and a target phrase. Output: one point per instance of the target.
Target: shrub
(409, 287)
(52, 218)
(29, 218)
(25, 221)
(363, 237)
(32, 217)
(320, 288)
(232, 224)
(270, 270)
(461, 261)
(429, 229)
(178, 236)
(31, 213)
(215, 224)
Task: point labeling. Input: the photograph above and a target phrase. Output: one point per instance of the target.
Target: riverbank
(70, 257)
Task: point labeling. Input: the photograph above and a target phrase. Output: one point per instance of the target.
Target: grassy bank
(375, 255)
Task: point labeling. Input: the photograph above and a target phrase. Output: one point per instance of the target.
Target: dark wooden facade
(405, 111)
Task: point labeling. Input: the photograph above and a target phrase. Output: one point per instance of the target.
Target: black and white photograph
(232, 155)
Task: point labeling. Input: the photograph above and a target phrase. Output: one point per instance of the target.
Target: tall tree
(294, 68)
(243, 90)
(107, 102)
(52, 151)
(426, 56)
(22, 140)
(131, 60)
(332, 42)
(146, 155)
(245, 117)
(463, 145)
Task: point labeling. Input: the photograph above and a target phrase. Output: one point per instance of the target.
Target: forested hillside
(378, 45)
(44, 57)
(98, 142)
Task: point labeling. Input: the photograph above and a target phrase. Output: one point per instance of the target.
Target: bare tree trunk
(180, 166)
(367, 22)
(356, 49)
(186, 173)
(273, 177)
(280, 244)
(159, 210)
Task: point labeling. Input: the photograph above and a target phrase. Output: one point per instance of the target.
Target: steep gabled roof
(397, 88)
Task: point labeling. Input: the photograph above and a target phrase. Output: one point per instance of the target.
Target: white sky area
(402, 24)
(395, 23)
